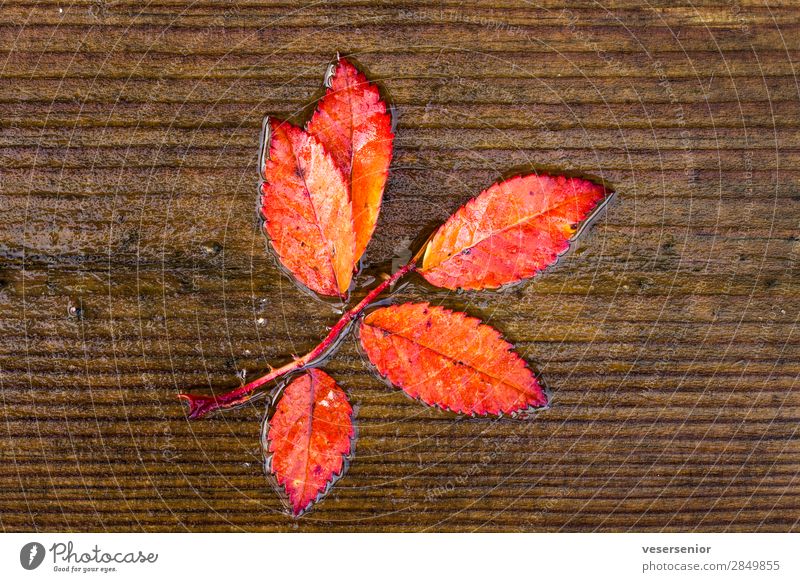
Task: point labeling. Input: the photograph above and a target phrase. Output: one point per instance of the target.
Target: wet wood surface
(132, 265)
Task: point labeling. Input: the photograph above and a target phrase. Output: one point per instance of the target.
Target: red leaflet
(353, 124)
(448, 359)
(308, 438)
(306, 210)
(511, 231)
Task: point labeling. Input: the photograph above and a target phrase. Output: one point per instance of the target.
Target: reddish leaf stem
(200, 405)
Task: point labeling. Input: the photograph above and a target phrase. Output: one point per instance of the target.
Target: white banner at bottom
(399, 557)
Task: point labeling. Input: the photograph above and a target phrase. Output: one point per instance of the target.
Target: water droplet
(75, 309)
(211, 248)
(328, 79)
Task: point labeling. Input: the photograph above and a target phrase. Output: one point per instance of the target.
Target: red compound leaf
(510, 232)
(309, 438)
(306, 209)
(448, 359)
(354, 125)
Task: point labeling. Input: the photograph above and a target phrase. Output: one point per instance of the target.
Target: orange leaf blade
(354, 125)
(306, 211)
(308, 438)
(448, 359)
(510, 232)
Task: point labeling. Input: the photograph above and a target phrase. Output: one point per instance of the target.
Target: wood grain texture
(132, 264)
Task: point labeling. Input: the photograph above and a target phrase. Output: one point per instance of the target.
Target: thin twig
(201, 405)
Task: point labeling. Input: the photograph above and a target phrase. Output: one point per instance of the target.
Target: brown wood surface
(128, 147)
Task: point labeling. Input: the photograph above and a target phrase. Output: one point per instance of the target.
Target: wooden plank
(128, 144)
